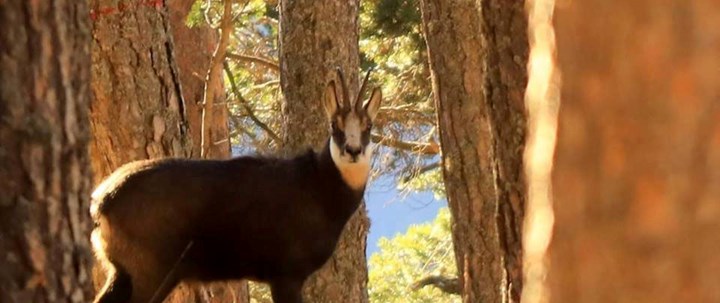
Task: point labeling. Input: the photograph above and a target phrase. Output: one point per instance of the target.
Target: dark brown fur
(159, 222)
(274, 220)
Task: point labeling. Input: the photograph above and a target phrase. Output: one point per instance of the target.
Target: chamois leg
(117, 288)
(287, 291)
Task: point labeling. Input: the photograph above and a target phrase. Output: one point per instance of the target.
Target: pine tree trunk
(138, 111)
(315, 37)
(636, 182)
(44, 169)
(478, 52)
(506, 43)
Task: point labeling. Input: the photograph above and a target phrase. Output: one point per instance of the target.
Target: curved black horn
(358, 101)
(343, 84)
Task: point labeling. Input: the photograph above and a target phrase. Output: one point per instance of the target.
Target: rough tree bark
(315, 37)
(505, 28)
(138, 111)
(637, 182)
(44, 168)
(478, 52)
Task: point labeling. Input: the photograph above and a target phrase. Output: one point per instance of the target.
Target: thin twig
(429, 148)
(206, 13)
(399, 107)
(222, 141)
(266, 84)
(418, 172)
(267, 62)
(246, 105)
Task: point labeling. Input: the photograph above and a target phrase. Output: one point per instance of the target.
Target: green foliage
(425, 250)
(394, 17)
(196, 16)
(391, 41)
(431, 180)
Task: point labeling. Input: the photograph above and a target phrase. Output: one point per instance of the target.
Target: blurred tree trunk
(193, 52)
(44, 167)
(637, 182)
(478, 52)
(315, 37)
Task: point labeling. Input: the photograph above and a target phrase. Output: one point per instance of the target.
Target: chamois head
(350, 125)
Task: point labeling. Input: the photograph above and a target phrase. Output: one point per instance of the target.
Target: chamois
(275, 220)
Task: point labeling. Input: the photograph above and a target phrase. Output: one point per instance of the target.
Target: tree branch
(266, 84)
(269, 63)
(246, 105)
(449, 285)
(429, 148)
(420, 171)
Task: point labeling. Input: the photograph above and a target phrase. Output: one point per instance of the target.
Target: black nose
(353, 151)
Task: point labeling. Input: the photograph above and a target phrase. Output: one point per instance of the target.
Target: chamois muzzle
(354, 152)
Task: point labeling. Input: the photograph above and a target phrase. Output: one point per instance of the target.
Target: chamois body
(159, 222)
(261, 218)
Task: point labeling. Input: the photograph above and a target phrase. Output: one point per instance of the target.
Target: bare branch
(267, 62)
(266, 84)
(246, 105)
(449, 285)
(418, 172)
(399, 107)
(408, 108)
(429, 148)
(223, 141)
(417, 117)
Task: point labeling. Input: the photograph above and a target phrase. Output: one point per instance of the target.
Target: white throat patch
(355, 174)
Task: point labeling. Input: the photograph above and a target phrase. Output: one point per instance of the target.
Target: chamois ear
(330, 101)
(373, 105)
